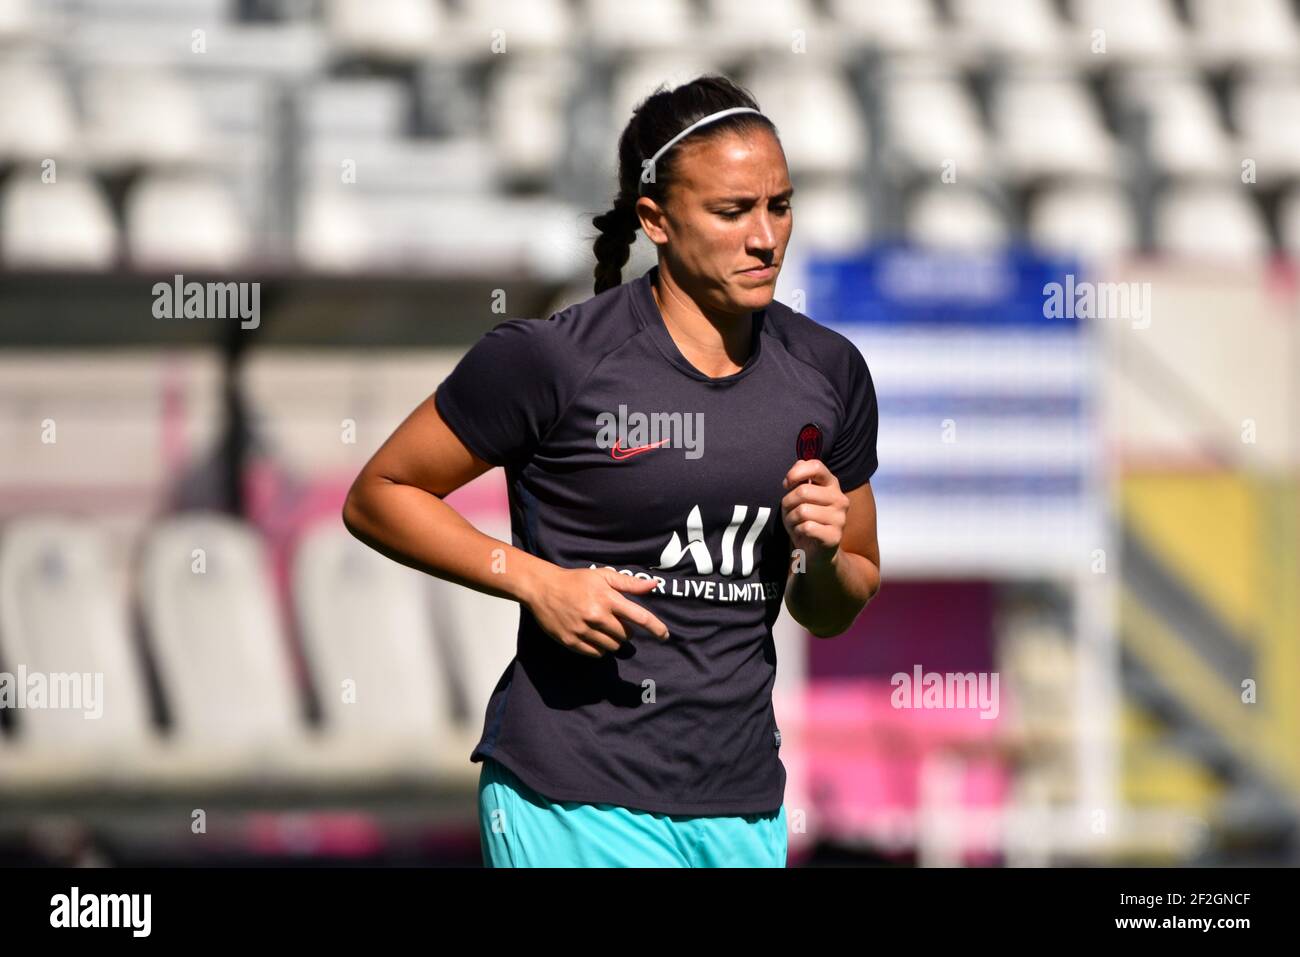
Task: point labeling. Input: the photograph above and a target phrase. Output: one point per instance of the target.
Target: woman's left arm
(835, 559)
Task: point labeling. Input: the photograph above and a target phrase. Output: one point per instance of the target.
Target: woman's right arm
(396, 507)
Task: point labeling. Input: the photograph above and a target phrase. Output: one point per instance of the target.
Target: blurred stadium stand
(387, 168)
(277, 97)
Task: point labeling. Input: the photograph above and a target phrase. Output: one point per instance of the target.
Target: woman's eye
(778, 210)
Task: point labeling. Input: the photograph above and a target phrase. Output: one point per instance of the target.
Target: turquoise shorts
(520, 828)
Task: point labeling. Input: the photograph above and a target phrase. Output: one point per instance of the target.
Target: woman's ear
(653, 219)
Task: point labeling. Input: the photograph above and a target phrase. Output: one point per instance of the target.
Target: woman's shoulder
(823, 347)
(570, 340)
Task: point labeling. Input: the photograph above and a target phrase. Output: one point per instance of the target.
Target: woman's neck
(715, 345)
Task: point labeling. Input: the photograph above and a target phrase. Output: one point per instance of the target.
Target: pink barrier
(866, 759)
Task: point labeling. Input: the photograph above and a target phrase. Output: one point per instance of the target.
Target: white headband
(641, 181)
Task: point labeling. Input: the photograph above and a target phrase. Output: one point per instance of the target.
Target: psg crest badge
(809, 443)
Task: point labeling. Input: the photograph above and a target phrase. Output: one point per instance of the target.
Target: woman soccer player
(667, 491)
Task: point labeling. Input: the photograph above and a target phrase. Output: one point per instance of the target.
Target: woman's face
(728, 212)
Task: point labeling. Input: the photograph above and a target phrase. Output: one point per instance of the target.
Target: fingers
(628, 583)
(634, 613)
(600, 626)
(815, 495)
(595, 643)
(600, 631)
(630, 610)
(829, 515)
(818, 532)
(586, 650)
(809, 470)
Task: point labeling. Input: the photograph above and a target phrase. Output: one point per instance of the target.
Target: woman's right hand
(585, 610)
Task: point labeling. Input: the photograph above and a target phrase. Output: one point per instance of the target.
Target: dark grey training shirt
(619, 453)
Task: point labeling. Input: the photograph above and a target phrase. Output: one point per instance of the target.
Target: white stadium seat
(951, 217)
(1025, 30)
(895, 26)
(64, 614)
(36, 118)
(333, 232)
(931, 121)
(394, 30)
(215, 634)
(65, 224)
(758, 26)
(1265, 108)
(526, 105)
(662, 26)
(1245, 31)
(367, 631)
(1048, 125)
(1146, 31)
(1204, 221)
(1187, 137)
(142, 115)
(184, 219)
(15, 19)
(533, 26)
(1093, 220)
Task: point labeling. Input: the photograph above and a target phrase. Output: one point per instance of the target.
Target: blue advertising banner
(908, 285)
(983, 366)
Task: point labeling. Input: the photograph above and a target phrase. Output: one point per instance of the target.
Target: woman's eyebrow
(750, 198)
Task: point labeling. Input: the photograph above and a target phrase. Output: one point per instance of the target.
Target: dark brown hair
(656, 120)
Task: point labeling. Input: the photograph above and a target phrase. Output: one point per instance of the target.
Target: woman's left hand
(814, 510)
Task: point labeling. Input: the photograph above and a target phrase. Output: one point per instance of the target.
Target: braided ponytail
(614, 244)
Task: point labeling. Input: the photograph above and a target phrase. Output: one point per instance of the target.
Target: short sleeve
(852, 457)
(506, 392)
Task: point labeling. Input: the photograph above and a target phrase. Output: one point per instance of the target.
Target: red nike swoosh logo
(628, 453)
